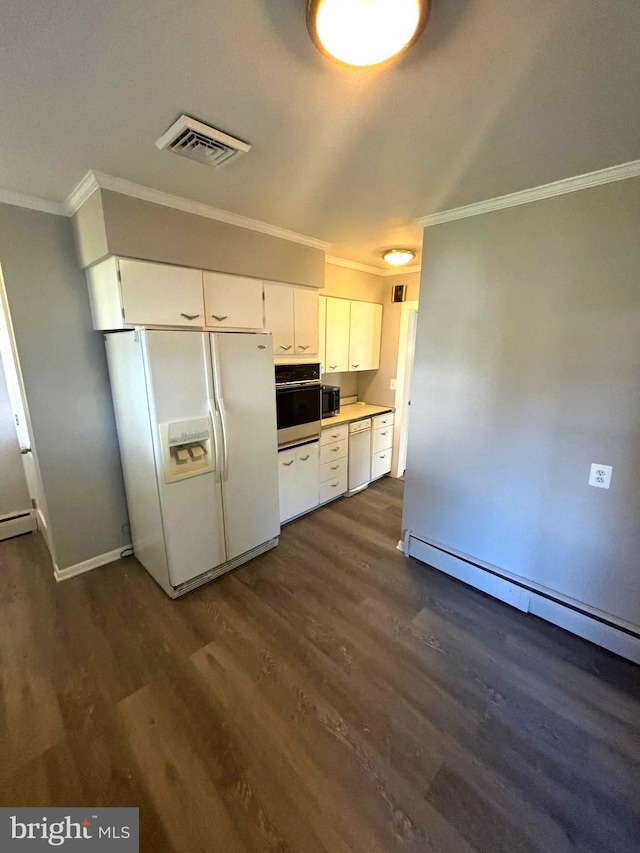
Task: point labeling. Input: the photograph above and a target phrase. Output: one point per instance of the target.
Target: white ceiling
(496, 97)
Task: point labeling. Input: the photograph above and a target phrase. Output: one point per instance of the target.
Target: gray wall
(140, 229)
(65, 375)
(528, 370)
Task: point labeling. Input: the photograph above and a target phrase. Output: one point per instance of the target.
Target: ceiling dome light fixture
(365, 32)
(398, 257)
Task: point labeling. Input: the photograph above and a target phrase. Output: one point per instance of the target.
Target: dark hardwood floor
(329, 696)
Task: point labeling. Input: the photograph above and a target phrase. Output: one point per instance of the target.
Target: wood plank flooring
(330, 696)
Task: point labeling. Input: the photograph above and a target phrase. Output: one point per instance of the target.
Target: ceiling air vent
(202, 143)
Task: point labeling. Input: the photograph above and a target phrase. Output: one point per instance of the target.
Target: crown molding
(567, 185)
(354, 265)
(85, 189)
(96, 180)
(41, 204)
(401, 270)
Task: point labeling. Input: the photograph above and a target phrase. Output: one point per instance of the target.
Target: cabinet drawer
(335, 450)
(336, 433)
(334, 469)
(333, 488)
(232, 301)
(383, 420)
(382, 439)
(380, 464)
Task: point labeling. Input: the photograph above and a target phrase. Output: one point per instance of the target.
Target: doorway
(404, 374)
(22, 505)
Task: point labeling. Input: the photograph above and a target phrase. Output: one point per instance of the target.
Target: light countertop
(355, 411)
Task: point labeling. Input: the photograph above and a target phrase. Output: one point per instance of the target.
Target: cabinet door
(322, 332)
(278, 311)
(306, 309)
(307, 477)
(337, 339)
(160, 295)
(364, 336)
(232, 301)
(287, 484)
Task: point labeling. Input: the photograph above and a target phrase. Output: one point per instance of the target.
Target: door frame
(20, 407)
(404, 375)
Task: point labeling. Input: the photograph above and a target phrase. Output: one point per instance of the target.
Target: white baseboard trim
(16, 525)
(88, 565)
(601, 630)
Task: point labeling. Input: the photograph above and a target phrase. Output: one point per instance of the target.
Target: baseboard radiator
(601, 628)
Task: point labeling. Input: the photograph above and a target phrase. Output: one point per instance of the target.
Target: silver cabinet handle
(282, 346)
(303, 458)
(220, 319)
(337, 435)
(334, 467)
(190, 316)
(382, 456)
(286, 464)
(304, 348)
(355, 365)
(335, 449)
(383, 433)
(334, 485)
(332, 366)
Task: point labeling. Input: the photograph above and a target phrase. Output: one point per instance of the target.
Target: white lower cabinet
(381, 445)
(298, 473)
(334, 459)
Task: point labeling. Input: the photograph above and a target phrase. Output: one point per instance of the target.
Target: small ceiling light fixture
(398, 257)
(365, 32)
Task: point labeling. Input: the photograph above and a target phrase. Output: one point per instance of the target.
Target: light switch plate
(393, 385)
(600, 476)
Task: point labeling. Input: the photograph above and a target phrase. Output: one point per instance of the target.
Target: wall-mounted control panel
(187, 448)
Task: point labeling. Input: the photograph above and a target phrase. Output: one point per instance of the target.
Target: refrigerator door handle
(219, 405)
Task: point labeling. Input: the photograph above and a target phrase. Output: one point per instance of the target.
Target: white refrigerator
(196, 420)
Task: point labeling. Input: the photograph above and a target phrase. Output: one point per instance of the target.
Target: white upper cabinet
(160, 295)
(337, 336)
(291, 315)
(306, 311)
(232, 301)
(364, 336)
(278, 312)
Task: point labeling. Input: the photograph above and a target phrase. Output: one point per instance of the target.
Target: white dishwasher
(359, 455)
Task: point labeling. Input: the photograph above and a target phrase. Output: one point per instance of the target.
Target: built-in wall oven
(298, 403)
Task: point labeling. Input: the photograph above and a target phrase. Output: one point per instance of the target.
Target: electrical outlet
(600, 476)
(393, 384)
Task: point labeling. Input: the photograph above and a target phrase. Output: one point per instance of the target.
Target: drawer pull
(355, 365)
(190, 316)
(285, 348)
(335, 449)
(303, 458)
(220, 319)
(334, 485)
(382, 455)
(286, 464)
(337, 435)
(304, 349)
(334, 467)
(383, 433)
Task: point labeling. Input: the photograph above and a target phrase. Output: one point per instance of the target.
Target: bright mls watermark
(104, 830)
